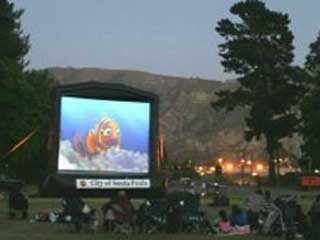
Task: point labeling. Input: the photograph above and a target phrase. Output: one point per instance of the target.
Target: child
(223, 225)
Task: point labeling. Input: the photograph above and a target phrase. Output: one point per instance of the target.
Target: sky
(170, 37)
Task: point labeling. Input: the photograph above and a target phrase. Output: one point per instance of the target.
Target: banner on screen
(113, 183)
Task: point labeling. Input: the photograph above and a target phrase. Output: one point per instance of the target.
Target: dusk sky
(171, 37)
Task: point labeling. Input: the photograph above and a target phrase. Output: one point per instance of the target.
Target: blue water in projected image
(104, 135)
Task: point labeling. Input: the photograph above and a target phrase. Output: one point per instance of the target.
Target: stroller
(271, 221)
(280, 217)
(290, 209)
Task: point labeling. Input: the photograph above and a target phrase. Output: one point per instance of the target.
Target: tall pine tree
(14, 45)
(24, 99)
(259, 50)
(310, 109)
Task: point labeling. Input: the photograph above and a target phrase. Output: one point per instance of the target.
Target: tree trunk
(272, 172)
(271, 148)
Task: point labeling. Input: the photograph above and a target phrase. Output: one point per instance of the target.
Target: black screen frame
(106, 91)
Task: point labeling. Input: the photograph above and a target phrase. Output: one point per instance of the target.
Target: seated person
(72, 205)
(223, 225)
(238, 217)
(118, 210)
(18, 202)
(72, 209)
(108, 214)
(239, 221)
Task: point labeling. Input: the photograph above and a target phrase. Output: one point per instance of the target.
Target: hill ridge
(192, 128)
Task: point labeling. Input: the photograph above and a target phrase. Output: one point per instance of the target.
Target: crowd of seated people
(119, 214)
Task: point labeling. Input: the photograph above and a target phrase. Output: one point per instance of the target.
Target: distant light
(316, 171)
(200, 168)
(229, 166)
(243, 161)
(212, 169)
(254, 174)
(259, 167)
(202, 173)
(249, 162)
(220, 160)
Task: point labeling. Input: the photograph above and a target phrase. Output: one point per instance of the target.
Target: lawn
(20, 229)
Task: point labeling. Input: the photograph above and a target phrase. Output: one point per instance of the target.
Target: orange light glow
(249, 162)
(220, 160)
(229, 167)
(259, 167)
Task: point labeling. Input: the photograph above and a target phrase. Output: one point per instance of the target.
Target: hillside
(192, 129)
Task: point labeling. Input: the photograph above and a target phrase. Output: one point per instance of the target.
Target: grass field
(23, 230)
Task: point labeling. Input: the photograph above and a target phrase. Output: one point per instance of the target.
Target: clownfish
(104, 136)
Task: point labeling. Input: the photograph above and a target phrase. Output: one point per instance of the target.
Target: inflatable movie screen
(104, 136)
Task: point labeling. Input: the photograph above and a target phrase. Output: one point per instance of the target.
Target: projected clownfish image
(105, 136)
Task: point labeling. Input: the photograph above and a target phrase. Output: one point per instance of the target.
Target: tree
(24, 98)
(32, 114)
(310, 109)
(14, 45)
(259, 50)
